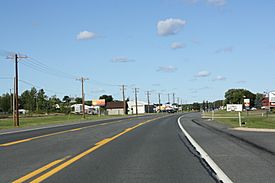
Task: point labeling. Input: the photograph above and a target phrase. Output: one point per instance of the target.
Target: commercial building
(115, 108)
(141, 106)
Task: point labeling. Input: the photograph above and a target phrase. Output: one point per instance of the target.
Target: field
(252, 119)
(50, 119)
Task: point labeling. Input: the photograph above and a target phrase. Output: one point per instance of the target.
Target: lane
(154, 152)
(25, 136)
(235, 152)
(18, 160)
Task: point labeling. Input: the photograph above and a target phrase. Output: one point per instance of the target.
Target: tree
(54, 103)
(196, 106)
(42, 101)
(108, 98)
(5, 102)
(237, 96)
(258, 100)
(66, 99)
(78, 100)
(203, 105)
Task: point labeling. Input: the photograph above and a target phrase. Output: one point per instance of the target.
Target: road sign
(234, 107)
(246, 102)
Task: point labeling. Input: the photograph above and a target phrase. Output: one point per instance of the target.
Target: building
(141, 106)
(115, 108)
(77, 109)
(23, 111)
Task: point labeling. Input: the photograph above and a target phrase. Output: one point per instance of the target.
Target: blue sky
(197, 49)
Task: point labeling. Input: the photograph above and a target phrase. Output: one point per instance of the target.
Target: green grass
(254, 119)
(57, 119)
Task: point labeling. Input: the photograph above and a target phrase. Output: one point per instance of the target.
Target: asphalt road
(142, 149)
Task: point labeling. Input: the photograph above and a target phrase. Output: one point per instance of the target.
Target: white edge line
(219, 173)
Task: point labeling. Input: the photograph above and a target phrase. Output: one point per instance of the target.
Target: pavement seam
(220, 175)
(259, 147)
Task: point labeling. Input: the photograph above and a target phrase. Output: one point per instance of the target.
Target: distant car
(253, 109)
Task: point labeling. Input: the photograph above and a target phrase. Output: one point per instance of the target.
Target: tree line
(232, 96)
(36, 101)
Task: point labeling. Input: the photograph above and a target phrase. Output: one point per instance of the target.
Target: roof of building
(115, 105)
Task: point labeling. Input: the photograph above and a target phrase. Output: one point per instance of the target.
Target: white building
(77, 109)
(142, 107)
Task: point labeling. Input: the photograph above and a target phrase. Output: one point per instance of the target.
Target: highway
(150, 148)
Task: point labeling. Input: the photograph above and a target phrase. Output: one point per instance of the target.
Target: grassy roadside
(58, 119)
(252, 119)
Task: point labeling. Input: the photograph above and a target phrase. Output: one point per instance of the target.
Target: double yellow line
(56, 133)
(73, 159)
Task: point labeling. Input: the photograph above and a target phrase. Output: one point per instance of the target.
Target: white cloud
(241, 82)
(167, 69)
(170, 26)
(176, 45)
(84, 35)
(219, 78)
(217, 2)
(203, 74)
(121, 59)
(228, 49)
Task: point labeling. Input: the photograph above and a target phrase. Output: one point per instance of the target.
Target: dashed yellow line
(38, 171)
(81, 155)
(56, 133)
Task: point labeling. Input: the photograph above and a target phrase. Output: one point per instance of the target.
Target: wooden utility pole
(13, 102)
(159, 103)
(136, 100)
(148, 99)
(16, 103)
(123, 98)
(82, 79)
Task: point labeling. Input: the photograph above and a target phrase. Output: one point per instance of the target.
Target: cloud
(241, 81)
(203, 74)
(155, 84)
(228, 49)
(85, 35)
(170, 26)
(176, 45)
(98, 90)
(167, 69)
(217, 2)
(219, 78)
(121, 59)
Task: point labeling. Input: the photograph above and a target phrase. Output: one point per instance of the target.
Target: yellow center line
(40, 170)
(57, 133)
(81, 155)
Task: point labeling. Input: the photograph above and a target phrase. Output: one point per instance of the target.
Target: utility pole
(123, 98)
(83, 94)
(169, 98)
(148, 99)
(178, 101)
(16, 59)
(136, 91)
(13, 102)
(173, 98)
(159, 103)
